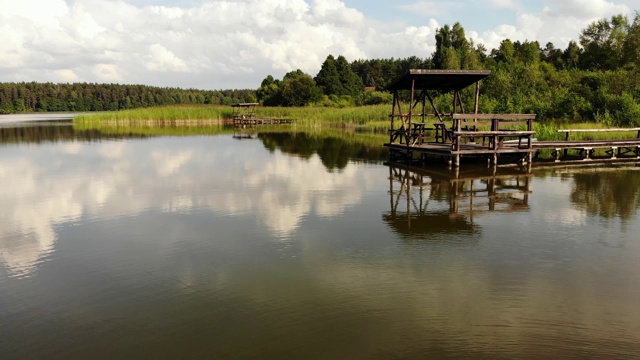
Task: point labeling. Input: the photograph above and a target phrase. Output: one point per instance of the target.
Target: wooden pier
(245, 114)
(504, 138)
(581, 152)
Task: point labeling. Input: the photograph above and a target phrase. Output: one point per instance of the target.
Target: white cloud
(107, 73)
(214, 44)
(431, 8)
(66, 75)
(502, 4)
(235, 44)
(558, 22)
(161, 59)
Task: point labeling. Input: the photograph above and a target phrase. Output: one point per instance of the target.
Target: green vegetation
(161, 113)
(373, 118)
(207, 120)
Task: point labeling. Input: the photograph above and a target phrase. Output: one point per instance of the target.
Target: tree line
(38, 97)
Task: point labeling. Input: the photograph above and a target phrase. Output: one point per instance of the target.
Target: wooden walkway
(493, 145)
(557, 152)
(588, 151)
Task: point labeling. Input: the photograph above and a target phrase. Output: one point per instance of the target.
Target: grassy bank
(160, 113)
(366, 117)
(207, 119)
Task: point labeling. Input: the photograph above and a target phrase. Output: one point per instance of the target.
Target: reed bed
(373, 119)
(370, 117)
(160, 113)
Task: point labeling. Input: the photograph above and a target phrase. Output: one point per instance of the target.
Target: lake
(292, 245)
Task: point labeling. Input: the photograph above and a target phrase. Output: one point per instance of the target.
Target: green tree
(631, 48)
(351, 83)
(443, 42)
(603, 43)
(269, 93)
(505, 53)
(328, 78)
(453, 50)
(571, 55)
(299, 89)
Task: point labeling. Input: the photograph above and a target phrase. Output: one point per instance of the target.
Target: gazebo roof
(443, 80)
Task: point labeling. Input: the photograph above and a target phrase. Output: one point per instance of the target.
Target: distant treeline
(37, 97)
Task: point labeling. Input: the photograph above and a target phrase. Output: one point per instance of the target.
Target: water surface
(291, 245)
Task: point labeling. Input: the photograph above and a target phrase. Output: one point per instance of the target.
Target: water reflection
(145, 249)
(48, 186)
(426, 202)
(335, 152)
(53, 131)
(609, 194)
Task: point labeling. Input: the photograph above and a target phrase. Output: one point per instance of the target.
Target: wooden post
(435, 110)
(477, 103)
(393, 212)
(393, 110)
(413, 88)
(460, 101)
(455, 107)
(424, 106)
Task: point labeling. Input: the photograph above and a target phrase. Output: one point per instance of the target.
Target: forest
(40, 97)
(596, 78)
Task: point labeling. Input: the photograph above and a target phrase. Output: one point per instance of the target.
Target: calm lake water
(292, 246)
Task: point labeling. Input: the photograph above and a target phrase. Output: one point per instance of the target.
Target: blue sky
(220, 44)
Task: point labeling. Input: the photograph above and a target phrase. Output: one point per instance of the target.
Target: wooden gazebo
(456, 131)
(423, 86)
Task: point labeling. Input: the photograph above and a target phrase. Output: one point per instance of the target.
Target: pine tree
(328, 78)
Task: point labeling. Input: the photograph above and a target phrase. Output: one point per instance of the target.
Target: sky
(235, 44)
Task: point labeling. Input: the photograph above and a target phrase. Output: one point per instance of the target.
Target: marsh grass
(549, 132)
(370, 117)
(374, 119)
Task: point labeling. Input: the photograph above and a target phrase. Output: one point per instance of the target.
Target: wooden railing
(569, 131)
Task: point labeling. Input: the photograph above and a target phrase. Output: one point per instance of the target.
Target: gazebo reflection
(429, 202)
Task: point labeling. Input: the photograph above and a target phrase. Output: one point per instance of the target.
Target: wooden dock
(506, 135)
(256, 121)
(496, 138)
(245, 114)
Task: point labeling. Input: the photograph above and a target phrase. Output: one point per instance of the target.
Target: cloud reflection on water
(47, 186)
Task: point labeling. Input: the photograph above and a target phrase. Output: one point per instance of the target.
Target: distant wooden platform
(256, 121)
(245, 114)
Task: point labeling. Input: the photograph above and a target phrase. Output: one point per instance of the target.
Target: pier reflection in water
(431, 201)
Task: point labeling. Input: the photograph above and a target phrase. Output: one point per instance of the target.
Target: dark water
(295, 246)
